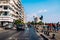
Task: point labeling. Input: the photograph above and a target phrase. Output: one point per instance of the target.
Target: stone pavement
(57, 35)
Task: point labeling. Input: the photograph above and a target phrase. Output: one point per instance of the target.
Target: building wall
(11, 10)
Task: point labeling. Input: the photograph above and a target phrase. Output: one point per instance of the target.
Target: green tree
(32, 23)
(18, 22)
(40, 23)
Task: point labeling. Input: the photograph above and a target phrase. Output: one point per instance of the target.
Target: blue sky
(50, 9)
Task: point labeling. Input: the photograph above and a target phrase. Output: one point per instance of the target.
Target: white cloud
(30, 16)
(45, 10)
(42, 11)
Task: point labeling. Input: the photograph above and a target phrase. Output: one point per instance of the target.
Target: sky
(50, 9)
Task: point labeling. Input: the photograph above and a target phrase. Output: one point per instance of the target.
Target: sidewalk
(2, 30)
(41, 38)
(57, 35)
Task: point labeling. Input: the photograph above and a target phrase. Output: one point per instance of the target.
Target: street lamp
(34, 20)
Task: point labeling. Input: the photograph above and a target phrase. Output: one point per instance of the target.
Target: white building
(10, 10)
(36, 19)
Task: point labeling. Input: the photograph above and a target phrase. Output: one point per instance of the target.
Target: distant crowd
(53, 27)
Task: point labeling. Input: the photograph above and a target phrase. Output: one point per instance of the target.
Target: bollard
(47, 33)
(44, 32)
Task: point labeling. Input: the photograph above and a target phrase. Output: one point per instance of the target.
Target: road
(28, 34)
(5, 35)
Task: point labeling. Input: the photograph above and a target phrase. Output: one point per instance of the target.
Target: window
(20, 13)
(0, 6)
(5, 7)
(20, 16)
(11, 9)
(16, 12)
(5, 13)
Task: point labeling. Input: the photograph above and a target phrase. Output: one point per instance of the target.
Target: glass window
(16, 12)
(5, 13)
(5, 7)
(11, 9)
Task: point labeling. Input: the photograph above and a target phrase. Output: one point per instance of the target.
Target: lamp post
(34, 20)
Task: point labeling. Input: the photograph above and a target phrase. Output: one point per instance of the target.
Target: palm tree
(41, 18)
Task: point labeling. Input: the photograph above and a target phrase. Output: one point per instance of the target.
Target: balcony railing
(4, 1)
(6, 18)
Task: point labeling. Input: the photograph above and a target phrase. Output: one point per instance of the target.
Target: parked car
(8, 27)
(20, 27)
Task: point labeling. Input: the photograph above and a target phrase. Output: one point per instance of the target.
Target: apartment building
(22, 15)
(10, 10)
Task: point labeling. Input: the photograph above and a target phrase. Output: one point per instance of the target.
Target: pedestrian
(57, 26)
(54, 27)
(43, 29)
(48, 28)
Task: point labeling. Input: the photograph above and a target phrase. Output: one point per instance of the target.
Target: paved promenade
(57, 34)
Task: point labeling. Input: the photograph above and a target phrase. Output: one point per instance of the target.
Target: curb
(44, 37)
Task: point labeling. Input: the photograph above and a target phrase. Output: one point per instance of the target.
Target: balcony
(6, 18)
(4, 1)
(4, 10)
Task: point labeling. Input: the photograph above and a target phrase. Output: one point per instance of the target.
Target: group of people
(54, 27)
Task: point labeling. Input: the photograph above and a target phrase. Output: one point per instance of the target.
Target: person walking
(54, 28)
(58, 26)
(48, 28)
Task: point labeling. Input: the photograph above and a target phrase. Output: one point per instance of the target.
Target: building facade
(36, 19)
(22, 15)
(10, 10)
